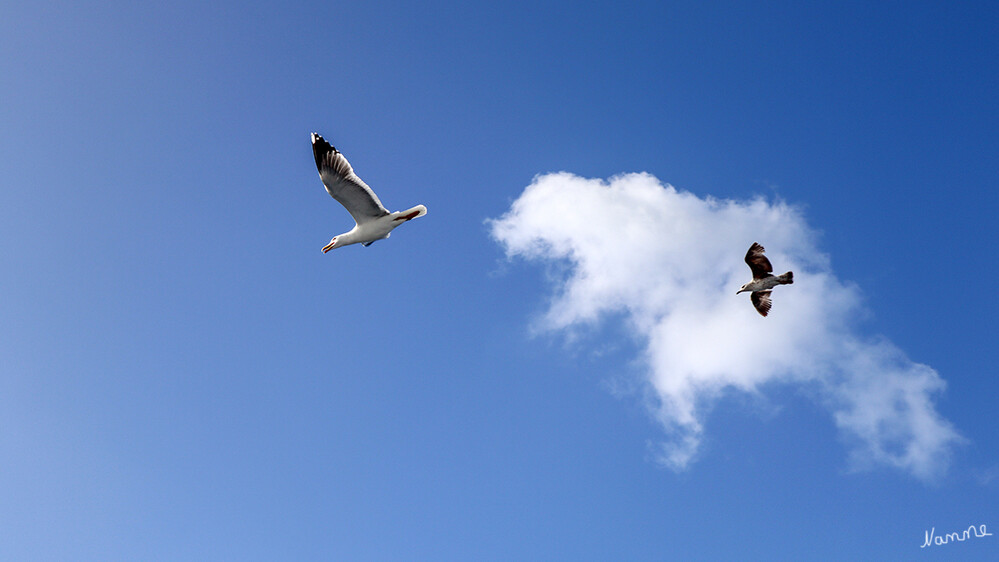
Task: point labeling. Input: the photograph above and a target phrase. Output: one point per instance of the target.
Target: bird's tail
(786, 279)
(409, 214)
(419, 209)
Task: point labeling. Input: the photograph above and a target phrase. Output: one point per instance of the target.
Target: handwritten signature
(931, 540)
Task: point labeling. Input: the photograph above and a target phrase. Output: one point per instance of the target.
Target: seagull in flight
(374, 221)
(763, 279)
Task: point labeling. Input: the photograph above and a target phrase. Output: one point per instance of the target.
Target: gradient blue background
(184, 376)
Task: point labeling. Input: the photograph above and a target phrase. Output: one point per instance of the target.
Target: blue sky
(184, 375)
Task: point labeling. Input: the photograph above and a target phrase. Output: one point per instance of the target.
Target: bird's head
(741, 289)
(333, 244)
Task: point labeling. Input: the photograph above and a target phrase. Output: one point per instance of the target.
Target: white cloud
(671, 263)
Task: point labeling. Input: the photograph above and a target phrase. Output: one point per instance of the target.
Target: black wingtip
(321, 145)
(320, 148)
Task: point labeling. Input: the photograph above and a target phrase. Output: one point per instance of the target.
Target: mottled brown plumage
(758, 262)
(763, 279)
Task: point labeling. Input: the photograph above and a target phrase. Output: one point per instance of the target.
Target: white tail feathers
(408, 214)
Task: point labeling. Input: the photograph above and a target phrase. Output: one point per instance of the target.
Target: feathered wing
(758, 263)
(761, 300)
(343, 184)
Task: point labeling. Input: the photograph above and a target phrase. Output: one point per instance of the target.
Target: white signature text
(978, 532)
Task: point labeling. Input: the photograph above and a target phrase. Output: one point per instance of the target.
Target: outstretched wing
(343, 184)
(761, 300)
(758, 263)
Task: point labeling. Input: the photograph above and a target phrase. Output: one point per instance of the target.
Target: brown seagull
(763, 279)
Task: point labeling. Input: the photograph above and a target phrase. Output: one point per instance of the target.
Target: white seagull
(763, 279)
(374, 221)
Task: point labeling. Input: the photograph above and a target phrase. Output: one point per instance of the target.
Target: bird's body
(765, 284)
(374, 221)
(763, 279)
